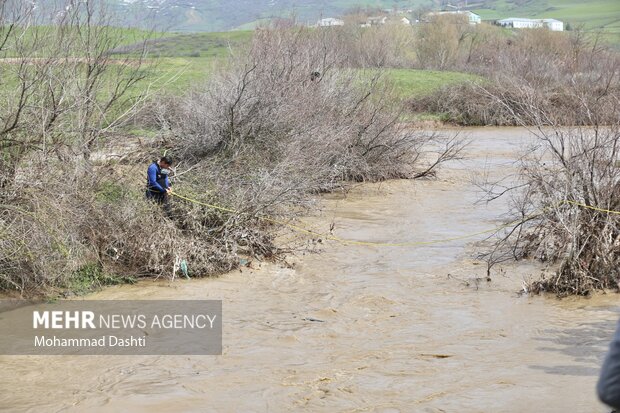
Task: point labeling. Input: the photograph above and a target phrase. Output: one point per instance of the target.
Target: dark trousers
(162, 199)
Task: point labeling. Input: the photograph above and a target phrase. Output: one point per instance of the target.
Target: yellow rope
(348, 241)
(607, 211)
(383, 244)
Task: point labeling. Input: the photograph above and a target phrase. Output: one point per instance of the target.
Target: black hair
(166, 159)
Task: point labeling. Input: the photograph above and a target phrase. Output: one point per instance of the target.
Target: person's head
(165, 162)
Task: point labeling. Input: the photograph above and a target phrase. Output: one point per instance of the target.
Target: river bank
(360, 328)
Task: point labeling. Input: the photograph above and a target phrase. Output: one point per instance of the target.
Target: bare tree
(565, 201)
(61, 91)
(439, 41)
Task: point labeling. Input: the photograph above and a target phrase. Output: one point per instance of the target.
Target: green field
(592, 15)
(178, 74)
(209, 45)
(189, 59)
(417, 83)
(178, 61)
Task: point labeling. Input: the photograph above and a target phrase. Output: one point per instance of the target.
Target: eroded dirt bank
(397, 333)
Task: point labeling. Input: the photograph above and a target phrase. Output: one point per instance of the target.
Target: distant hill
(221, 15)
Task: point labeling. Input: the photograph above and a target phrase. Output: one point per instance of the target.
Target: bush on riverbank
(551, 72)
(565, 88)
(564, 205)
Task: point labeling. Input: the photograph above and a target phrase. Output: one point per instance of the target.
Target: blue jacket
(608, 387)
(155, 180)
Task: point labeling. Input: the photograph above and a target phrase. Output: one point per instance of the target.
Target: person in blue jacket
(157, 181)
(608, 387)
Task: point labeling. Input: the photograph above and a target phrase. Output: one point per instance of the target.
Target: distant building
(473, 18)
(554, 25)
(330, 21)
(381, 20)
(519, 23)
(376, 21)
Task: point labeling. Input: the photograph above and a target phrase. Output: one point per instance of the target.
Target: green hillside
(223, 15)
(592, 15)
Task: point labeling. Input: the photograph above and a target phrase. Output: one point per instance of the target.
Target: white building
(381, 20)
(554, 25)
(330, 21)
(473, 18)
(519, 23)
(376, 21)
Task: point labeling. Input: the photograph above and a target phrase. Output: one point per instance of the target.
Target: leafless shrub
(342, 123)
(564, 202)
(56, 226)
(478, 102)
(285, 120)
(62, 94)
(540, 77)
(440, 41)
(390, 45)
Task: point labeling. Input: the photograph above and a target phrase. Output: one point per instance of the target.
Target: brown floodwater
(404, 329)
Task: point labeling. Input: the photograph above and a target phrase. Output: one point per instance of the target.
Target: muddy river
(399, 329)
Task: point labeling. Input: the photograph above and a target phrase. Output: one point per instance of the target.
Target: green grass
(253, 24)
(177, 74)
(46, 37)
(91, 277)
(182, 60)
(591, 13)
(175, 63)
(208, 45)
(411, 83)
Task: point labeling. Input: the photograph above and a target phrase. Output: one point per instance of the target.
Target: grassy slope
(219, 15)
(410, 82)
(211, 45)
(188, 59)
(593, 13)
(601, 15)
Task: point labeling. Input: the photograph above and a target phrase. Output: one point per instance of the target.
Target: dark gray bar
(143, 327)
